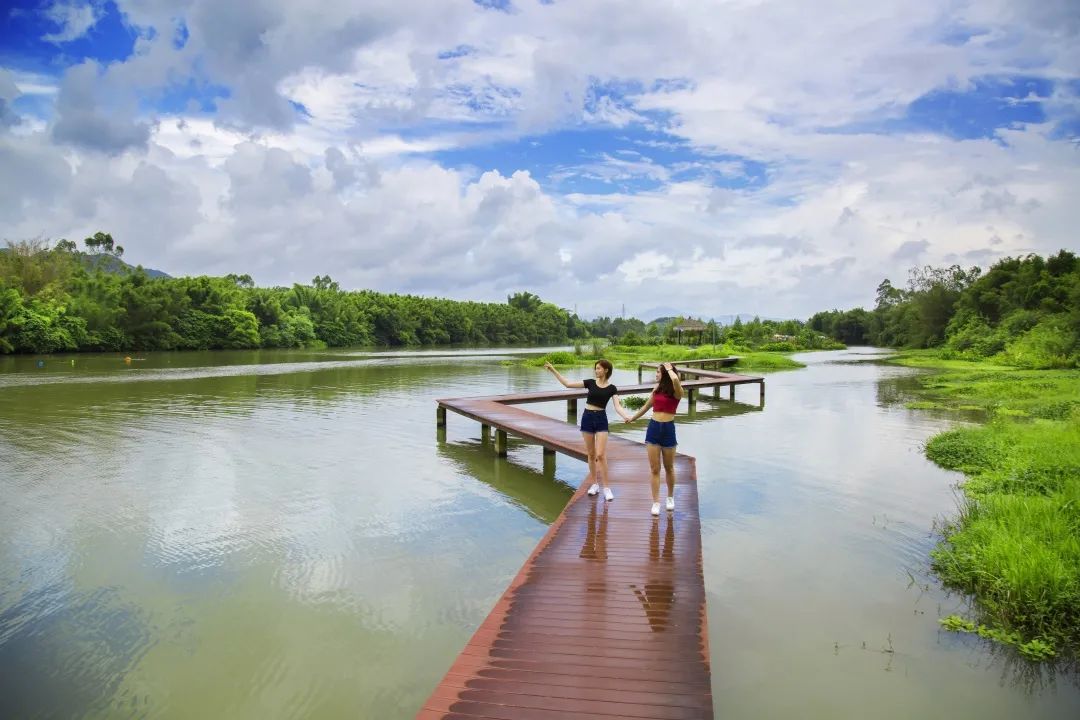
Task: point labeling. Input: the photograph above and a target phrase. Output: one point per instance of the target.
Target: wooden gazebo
(690, 326)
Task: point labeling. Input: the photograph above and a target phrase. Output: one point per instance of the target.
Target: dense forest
(58, 299)
(1023, 312)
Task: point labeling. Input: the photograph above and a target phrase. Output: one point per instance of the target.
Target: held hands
(549, 366)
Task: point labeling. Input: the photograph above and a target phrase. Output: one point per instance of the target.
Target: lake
(285, 534)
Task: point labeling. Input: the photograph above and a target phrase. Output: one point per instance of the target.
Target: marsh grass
(999, 390)
(1015, 544)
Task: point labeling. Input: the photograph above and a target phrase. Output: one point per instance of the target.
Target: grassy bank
(628, 357)
(1015, 544)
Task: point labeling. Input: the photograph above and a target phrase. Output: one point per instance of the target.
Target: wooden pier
(705, 363)
(606, 618)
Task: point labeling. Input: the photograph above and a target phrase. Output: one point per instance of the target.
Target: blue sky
(758, 158)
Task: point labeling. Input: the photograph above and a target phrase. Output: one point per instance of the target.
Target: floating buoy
(41, 363)
(72, 362)
(127, 360)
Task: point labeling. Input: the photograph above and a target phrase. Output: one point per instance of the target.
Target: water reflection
(536, 492)
(595, 546)
(658, 595)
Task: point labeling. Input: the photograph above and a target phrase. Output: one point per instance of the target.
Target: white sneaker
(593, 489)
(655, 509)
(670, 503)
(608, 495)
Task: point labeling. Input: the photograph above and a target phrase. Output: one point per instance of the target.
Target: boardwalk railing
(714, 363)
(606, 618)
(467, 406)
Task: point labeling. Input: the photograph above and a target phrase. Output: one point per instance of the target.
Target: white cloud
(646, 265)
(258, 187)
(74, 19)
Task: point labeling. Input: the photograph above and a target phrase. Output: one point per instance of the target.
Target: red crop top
(664, 403)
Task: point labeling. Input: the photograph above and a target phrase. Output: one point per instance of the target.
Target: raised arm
(559, 376)
(675, 384)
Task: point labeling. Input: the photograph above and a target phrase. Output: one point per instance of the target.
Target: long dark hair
(666, 387)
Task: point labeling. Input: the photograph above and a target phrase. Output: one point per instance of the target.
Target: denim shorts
(594, 421)
(661, 433)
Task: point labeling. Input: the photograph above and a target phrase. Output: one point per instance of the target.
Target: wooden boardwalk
(606, 618)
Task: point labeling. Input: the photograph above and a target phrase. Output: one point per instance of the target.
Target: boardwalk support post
(692, 397)
(762, 385)
(571, 408)
(500, 443)
(731, 392)
(485, 433)
(440, 416)
(716, 392)
(549, 462)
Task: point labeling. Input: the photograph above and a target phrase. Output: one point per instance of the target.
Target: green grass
(935, 359)
(998, 390)
(628, 357)
(1015, 545)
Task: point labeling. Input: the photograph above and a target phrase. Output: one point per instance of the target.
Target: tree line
(58, 299)
(1023, 311)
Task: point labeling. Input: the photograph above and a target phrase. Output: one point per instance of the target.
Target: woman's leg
(600, 445)
(654, 469)
(590, 448)
(669, 468)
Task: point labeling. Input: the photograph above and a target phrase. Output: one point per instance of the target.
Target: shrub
(1049, 344)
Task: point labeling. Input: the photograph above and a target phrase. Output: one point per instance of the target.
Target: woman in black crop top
(594, 424)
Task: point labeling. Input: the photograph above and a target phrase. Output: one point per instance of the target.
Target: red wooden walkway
(606, 619)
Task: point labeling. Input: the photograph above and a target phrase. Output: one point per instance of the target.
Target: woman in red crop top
(594, 424)
(660, 437)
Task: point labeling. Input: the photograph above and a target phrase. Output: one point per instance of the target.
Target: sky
(652, 158)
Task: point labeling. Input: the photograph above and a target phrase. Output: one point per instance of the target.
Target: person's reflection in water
(658, 595)
(595, 547)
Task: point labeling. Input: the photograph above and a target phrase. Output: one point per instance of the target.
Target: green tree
(525, 301)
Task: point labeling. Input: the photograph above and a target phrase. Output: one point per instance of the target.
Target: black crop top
(598, 396)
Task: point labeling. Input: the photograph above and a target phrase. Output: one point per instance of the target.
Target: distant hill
(109, 263)
(745, 317)
(720, 319)
(112, 264)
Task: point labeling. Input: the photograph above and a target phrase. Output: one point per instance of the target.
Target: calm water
(284, 534)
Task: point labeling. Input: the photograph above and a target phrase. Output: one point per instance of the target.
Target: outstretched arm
(642, 410)
(559, 376)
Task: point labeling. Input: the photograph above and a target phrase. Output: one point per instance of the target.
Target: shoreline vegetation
(1015, 542)
(1003, 348)
(55, 298)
